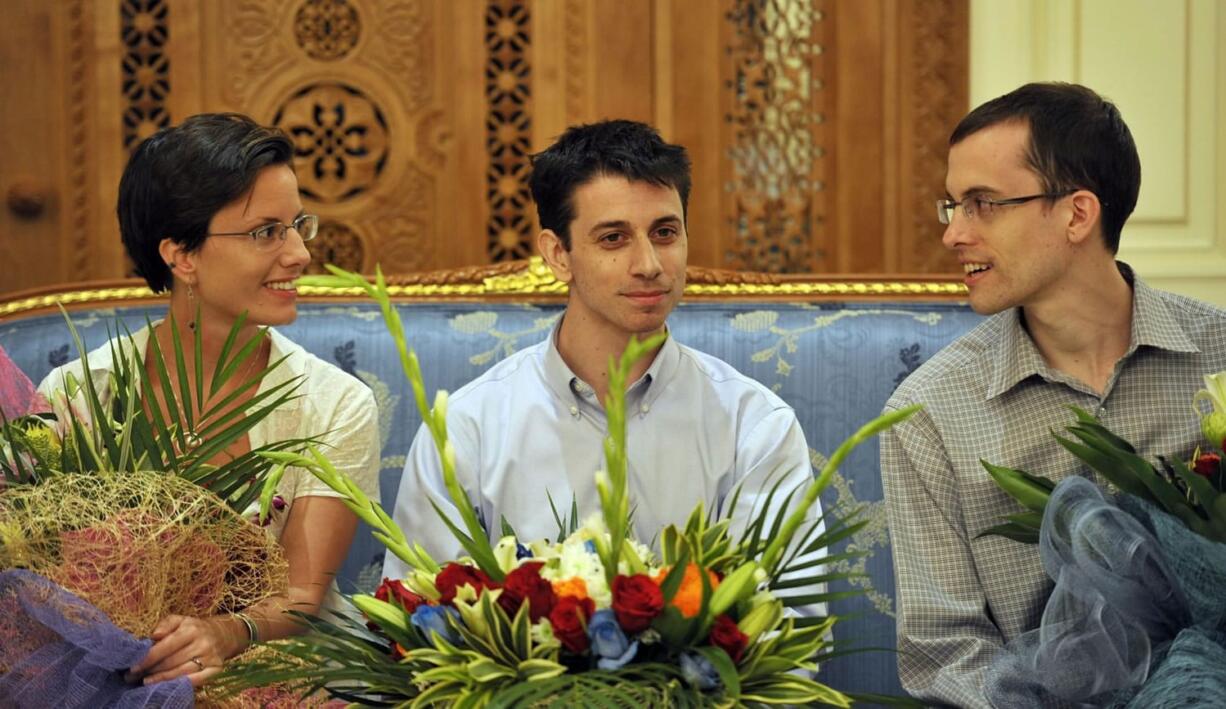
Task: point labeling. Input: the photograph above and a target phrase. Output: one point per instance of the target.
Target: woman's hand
(195, 647)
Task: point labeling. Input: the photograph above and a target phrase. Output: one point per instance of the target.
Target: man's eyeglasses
(979, 207)
(271, 236)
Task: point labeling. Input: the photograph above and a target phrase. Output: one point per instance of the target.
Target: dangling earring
(191, 303)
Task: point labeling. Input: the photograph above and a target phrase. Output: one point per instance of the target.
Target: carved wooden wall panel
(366, 90)
(817, 127)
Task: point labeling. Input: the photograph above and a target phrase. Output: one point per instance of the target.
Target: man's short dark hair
(628, 149)
(1077, 141)
(181, 176)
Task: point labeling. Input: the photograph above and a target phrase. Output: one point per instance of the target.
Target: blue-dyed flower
(699, 672)
(609, 643)
(427, 618)
(590, 546)
(522, 552)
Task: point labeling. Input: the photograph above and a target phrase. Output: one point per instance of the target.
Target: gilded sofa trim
(531, 279)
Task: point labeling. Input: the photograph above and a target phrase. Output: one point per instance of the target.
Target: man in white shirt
(611, 198)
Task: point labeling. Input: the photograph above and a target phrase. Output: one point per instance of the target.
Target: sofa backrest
(835, 362)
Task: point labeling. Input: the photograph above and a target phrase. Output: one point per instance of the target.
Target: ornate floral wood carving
(403, 37)
(576, 23)
(77, 213)
(404, 240)
(508, 128)
(144, 31)
(327, 30)
(352, 83)
(938, 97)
(339, 245)
(776, 172)
(340, 139)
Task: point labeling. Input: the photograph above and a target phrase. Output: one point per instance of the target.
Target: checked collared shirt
(990, 395)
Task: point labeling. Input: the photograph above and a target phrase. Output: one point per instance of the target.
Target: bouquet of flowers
(593, 618)
(1136, 615)
(108, 430)
(113, 516)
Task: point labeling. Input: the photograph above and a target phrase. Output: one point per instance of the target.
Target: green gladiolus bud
(381, 613)
(737, 585)
(422, 583)
(763, 617)
(270, 489)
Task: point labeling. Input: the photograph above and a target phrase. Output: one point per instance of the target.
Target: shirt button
(574, 411)
(644, 409)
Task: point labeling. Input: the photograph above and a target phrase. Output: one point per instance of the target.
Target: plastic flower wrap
(592, 616)
(1136, 612)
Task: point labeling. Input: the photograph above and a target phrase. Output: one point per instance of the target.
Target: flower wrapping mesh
(140, 546)
(1134, 589)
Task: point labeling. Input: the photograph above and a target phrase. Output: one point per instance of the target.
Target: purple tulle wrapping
(57, 650)
(1128, 579)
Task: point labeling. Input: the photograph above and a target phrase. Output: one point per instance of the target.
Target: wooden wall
(817, 128)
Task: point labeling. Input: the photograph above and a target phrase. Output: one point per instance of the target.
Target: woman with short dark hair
(210, 210)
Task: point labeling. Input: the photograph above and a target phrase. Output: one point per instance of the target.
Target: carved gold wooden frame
(529, 280)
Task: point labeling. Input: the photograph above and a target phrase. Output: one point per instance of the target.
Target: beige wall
(1163, 62)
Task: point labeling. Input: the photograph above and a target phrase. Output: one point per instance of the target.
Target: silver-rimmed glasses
(980, 207)
(271, 236)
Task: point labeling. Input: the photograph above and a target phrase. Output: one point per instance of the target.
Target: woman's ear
(181, 264)
(1085, 217)
(555, 254)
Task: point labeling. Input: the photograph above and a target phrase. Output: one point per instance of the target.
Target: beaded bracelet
(253, 631)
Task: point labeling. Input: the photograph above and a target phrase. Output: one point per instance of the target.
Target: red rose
(454, 575)
(728, 637)
(525, 584)
(569, 620)
(636, 602)
(1207, 464)
(393, 591)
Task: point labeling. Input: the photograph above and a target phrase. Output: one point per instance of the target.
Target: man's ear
(178, 260)
(1085, 218)
(555, 254)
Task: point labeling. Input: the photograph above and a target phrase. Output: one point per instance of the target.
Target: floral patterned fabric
(835, 364)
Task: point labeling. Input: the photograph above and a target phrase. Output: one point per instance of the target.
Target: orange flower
(574, 586)
(689, 595)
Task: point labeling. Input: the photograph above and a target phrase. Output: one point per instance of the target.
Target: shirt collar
(1153, 325)
(566, 384)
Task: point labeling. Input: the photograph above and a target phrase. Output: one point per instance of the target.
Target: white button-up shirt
(529, 430)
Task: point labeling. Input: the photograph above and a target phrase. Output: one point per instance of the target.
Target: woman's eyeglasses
(273, 235)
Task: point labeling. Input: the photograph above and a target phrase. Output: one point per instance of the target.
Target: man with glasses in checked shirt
(1040, 182)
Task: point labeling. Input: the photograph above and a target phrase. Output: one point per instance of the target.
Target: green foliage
(128, 435)
(474, 538)
(1171, 487)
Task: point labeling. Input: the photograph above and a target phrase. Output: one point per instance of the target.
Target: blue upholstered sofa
(833, 349)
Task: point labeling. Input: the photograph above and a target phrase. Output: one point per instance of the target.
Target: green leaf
(1012, 530)
(723, 665)
(1024, 488)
